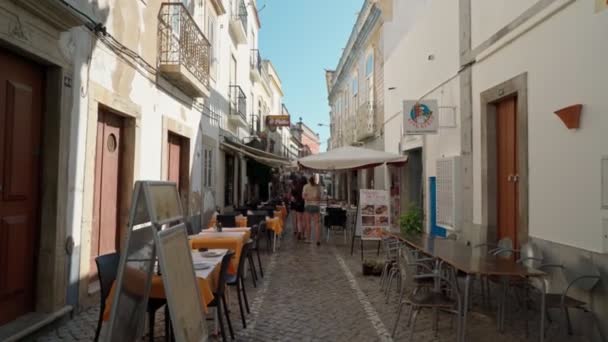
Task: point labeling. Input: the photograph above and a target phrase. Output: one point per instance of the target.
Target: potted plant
(411, 221)
(372, 267)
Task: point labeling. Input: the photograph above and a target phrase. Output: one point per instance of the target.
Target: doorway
(506, 169)
(105, 237)
(504, 161)
(178, 164)
(21, 92)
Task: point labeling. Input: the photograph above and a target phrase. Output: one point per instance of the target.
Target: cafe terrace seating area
(428, 288)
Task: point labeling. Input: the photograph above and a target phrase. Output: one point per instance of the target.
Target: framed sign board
(421, 117)
(154, 205)
(373, 217)
(181, 286)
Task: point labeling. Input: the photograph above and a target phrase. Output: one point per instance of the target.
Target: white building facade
(123, 91)
(499, 71)
(356, 96)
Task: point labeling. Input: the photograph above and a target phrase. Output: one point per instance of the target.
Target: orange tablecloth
(275, 224)
(157, 290)
(283, 210)
(217, 241)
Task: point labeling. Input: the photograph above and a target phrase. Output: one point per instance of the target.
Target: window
(369, 65)
(212, 36)
(207, 167)
(200, 14)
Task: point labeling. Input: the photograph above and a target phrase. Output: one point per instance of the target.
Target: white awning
(349, 158)
(255, 154)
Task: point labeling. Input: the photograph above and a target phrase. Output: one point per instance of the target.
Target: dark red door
(178, 159)
(507, 170)
(174, 156)
(105, 235)
(21, 87)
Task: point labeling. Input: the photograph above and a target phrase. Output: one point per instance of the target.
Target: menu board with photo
(374, 213)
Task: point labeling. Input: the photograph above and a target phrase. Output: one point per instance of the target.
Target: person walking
(312, 207)
(297, 205)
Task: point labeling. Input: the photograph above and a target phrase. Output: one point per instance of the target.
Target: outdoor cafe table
(474, 262)
(276, 224)
(207, 281)
(225, 239)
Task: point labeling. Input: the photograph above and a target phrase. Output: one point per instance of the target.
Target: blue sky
(302, 38)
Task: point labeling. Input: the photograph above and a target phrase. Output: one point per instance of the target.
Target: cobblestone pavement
(312, 293)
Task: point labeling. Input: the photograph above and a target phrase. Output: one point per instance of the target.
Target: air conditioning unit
(449, 190)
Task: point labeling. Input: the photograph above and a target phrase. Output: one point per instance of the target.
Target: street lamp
(322, 125)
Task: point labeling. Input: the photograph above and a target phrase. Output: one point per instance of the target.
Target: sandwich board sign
(155, 205)
(181, 286)
(373, 215)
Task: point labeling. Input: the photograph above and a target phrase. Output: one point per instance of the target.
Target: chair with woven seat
(237, 281)
(219, 298)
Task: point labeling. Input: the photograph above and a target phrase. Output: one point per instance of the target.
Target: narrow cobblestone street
(312, 293)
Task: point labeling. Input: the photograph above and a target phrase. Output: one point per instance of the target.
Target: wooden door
(178, 164)
(21, 87)
(105, 237)
(507, 169)
(174, 155)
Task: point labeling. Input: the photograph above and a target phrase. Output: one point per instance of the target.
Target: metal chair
(219, 298)
(238, 282)
(432, 299)
(407, 280)
(256, 232)
(226, 220)
(390, 246)
(107, 269)
(253, 220)
(193, 224)
(336, 217)
(582, 276)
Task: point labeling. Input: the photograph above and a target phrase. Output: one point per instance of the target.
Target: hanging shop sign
(278, 120)
(421, 117)
(373, 217)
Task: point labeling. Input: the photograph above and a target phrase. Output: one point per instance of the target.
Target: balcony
(183, 50)
(256, 65)
(238, 106)
(366, 121)
(238, 21)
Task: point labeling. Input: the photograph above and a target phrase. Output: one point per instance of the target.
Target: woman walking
(312, 200)
(297, 205)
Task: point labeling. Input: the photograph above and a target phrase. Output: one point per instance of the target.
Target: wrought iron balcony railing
(240, 13)
(256, 60)
(238, 102)
(182, 43)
